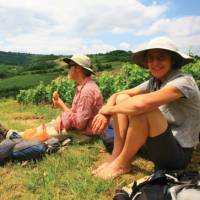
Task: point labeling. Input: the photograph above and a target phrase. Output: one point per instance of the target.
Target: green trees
(114, 73)
(110, 60)
(194, 69)
(129, 76)
(43, 94)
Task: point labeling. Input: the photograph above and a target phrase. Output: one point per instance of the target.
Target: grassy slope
(66, 174)
(14, 84)
(22, 71)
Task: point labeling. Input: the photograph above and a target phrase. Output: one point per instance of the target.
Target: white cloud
(119, 16)
(124, 46)
(185, 44)
(66, 27)
(185, 31)
(99, 46)
(190, 43)
(62, 45)
(181, 26)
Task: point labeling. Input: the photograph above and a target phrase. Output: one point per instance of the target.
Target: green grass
(12, 85)
(65, 175)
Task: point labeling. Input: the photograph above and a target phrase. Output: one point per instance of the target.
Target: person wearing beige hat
(86, 102)
(159, 118)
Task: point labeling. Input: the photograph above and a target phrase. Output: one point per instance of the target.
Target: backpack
(52, 145)
(121, 195)
(18, 149)
(27, 150)
(108, 139)
(6, 148)
(162, 185)
(21, 150)
(3, 132)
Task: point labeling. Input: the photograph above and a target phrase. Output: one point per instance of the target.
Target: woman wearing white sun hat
(159, 118)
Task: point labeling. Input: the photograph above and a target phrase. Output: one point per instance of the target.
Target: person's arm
(63, 106)
(58, 102)
(79, 119)
(145, 102)
(131, 92)
(101, 120)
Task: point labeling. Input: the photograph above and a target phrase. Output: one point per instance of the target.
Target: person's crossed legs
(131, 133)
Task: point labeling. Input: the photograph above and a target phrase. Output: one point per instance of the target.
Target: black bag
(158, 187)
(162, 185)
(52, 145)
(121, 195)
(155, 188)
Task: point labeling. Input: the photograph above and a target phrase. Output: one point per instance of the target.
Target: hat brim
(69, 60)
(181, 59)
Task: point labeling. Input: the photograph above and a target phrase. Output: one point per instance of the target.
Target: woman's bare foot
(99, 168)
(113, 170)
(103, 165)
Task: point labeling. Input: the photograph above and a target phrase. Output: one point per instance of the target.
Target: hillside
(22, 70)
(13, 63)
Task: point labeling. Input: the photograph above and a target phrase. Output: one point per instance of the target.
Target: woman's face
(159, 63)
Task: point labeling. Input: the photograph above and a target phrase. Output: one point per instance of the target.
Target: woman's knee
(156, 122)
(141, 118)
(121, 97)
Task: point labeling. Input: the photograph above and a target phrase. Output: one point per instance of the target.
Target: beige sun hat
(165, 44)
(81, 60)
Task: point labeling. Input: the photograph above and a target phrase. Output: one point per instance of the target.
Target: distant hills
(24, 70)
(12, 63)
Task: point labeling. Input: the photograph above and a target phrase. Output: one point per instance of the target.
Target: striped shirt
(86, 104)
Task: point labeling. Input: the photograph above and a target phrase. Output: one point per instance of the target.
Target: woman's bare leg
(120, 130)
(140, 128)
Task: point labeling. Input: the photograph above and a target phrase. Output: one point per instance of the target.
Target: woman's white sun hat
(81, 60)
(139, 57)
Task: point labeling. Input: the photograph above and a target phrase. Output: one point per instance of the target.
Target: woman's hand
(99, 123)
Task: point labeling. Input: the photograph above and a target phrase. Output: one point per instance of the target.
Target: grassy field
(12, 85)
(66, 174)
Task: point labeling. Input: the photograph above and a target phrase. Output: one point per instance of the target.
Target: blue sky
(86, 26)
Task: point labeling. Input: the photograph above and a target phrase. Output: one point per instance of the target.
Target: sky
(65, 27)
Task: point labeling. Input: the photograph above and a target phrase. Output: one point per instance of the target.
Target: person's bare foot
(99, 168)
(113, 170)
(103, 165)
